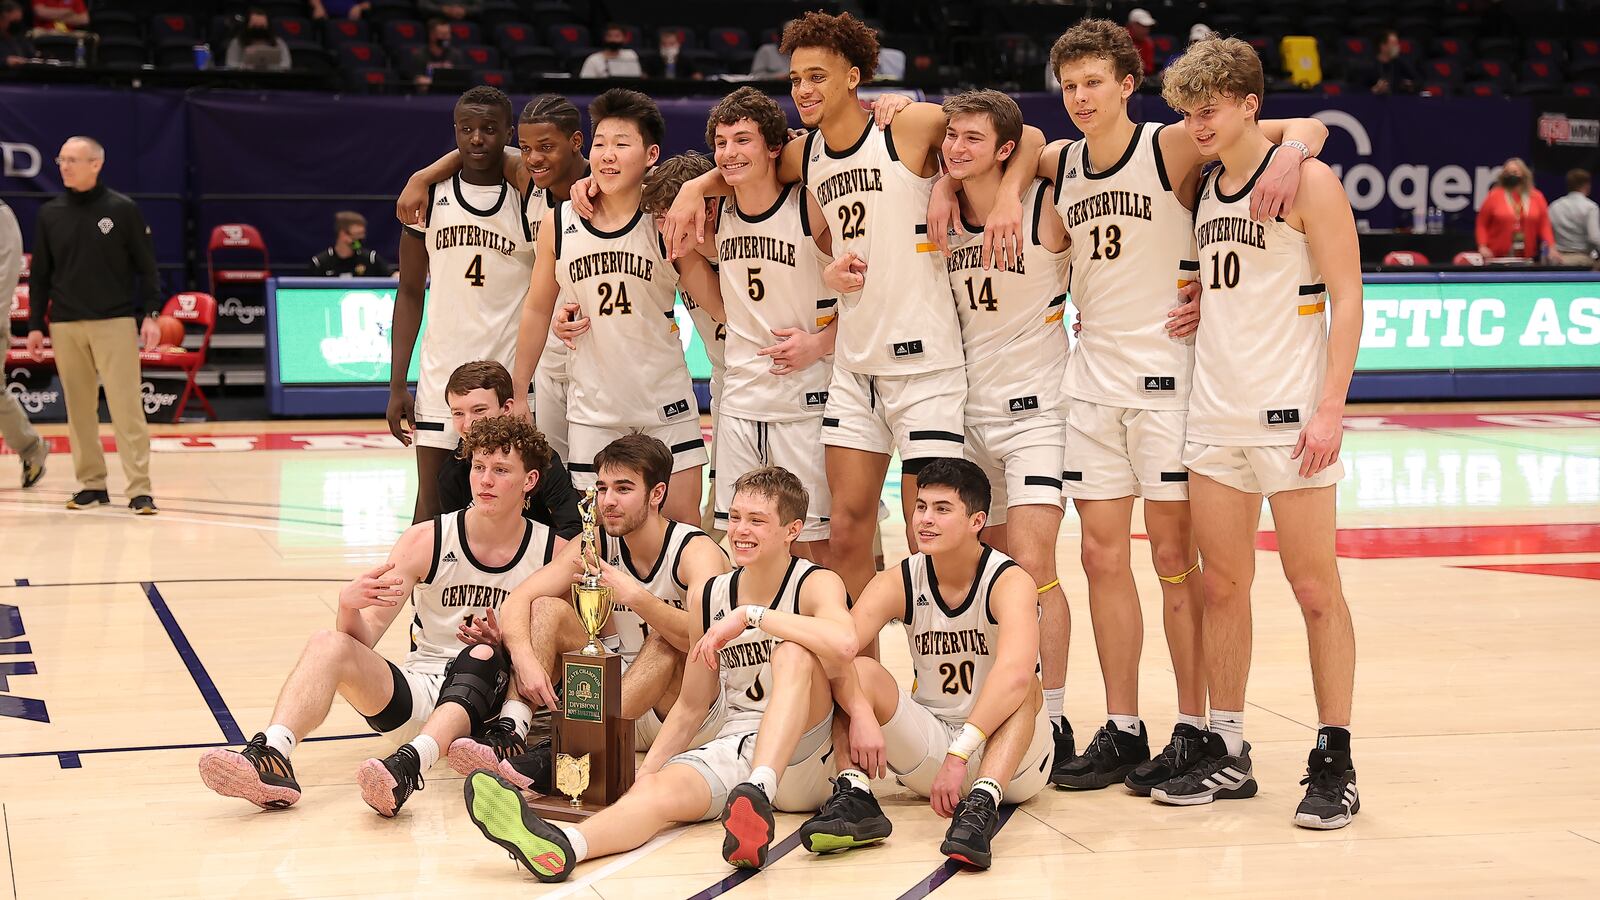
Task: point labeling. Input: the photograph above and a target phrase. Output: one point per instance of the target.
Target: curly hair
(508, 434)
(1102, 38)
(1212, 69)
(844, 34)
(551, 109)
(779, 485)
(491, 97)
(621, 103)
(662, 183)
(749, 103)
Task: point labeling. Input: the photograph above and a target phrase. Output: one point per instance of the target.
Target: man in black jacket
(477, 390)
(91, 249)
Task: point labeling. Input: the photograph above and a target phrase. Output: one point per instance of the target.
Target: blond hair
(1211, 69)
(779, 485)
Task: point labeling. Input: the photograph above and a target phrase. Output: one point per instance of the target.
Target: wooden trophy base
(561, 809)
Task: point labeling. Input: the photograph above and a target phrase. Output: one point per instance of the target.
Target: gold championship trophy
(592, 743)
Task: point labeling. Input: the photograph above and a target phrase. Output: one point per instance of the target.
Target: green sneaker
(496, 807)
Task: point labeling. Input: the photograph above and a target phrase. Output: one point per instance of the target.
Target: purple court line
(11, 861)
(23, 582)
(68, 758)
(949, 867)
(197, 669)
(740, 876)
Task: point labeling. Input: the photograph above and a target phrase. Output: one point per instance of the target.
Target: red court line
(1461, 540)
(1589, 570)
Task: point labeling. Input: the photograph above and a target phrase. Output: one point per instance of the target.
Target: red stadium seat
(465, 33)
(1468, 258)
(193, 309)
(171, 25)
(345, 31)
(236, 245)
(1404, 258)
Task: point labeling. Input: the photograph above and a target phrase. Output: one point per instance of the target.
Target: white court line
(616, 864)
(168, 517)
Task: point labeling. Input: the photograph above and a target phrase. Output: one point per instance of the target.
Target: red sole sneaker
(377, 787)
(231, 775)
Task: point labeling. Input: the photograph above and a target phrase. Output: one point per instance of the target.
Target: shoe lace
(410, 774)
(1103, 744)
(839, 801)
(501, 735)
(974, 814)
(1325, 783)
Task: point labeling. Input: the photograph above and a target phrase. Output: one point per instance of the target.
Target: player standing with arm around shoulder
(1272, 368)
(768, 637)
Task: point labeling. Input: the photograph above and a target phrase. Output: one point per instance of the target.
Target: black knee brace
(476, 685)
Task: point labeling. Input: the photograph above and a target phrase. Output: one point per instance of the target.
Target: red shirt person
(1139, 24)
(1515, 219)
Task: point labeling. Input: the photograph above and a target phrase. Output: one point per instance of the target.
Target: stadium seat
(357, 56)
(1584, 50)
(495, 13)
(728, 41)
(1498, 70)
(1335, 88)
(1356, 47)
(383, 11)
(369, 81)
(399, 33)
(1583, 90)
(194, 310)
(1404, 258)
(1468, 258)
(1413, 24)
(1166, 46)
(453, 81)
(1543, 48)
(172, 25)
(122, 53)
(308, 57)
(1483, 88)
(1361, 72)
(109, 23)
(1452, 48)
(1436, 88)
(294, 28)
(345, 31)
(1539, 76)
(530, 62)
(1301, 61)
(499, 78)
(480, 56)
(61, 48)
(1500, 47)
(1448, 71)
(1584, 69)
(554, 10)
(466, 33)
(236, 253)
(176, 52)
(566, 40)
(508, 36)
(686, 35)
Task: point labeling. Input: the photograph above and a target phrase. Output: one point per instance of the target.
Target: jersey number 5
(614, 299)
(475, 271)
(853, 220)
(757, 290)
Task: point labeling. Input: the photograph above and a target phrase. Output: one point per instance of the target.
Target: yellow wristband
(1179, 579)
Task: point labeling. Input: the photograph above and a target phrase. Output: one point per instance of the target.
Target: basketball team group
(892, 280)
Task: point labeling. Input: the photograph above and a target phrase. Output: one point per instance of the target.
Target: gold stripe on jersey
(1311, 309)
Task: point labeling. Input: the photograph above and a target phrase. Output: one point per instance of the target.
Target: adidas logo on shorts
(1024, 404)
(1165, 384)
(904, 349)
(449, 556)
(676, 408)
(1281, 417)
(816, 399)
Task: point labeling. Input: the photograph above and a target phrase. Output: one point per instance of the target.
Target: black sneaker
(496, 807)
(1066, 747)
(531, 771)
(1217, 776)
(1108, 760)
(386, 784)
(849, 818)
(33, 470)
(143, 505)
(1331, 796)
(255, 772)
(86, 499)
(485, 750)
(1186, 748)
(971, 830)
(747, 827)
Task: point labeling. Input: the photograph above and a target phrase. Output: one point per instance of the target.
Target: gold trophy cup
(590, 598)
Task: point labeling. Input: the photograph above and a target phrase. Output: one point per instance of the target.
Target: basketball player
(550, 141)
(1271, 370)
(627, 372)
(1125, 193)
(972, 733)
(652, 563)
(898, 381)
(462, 565)
(768, 636)
(473, 255)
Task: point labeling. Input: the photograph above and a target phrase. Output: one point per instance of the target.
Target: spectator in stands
(614, 59)
(62, 15)
(1139, 24)
(670, 61)
(454, 10)
(256, 47)
(438, 54)
(1201, 32)
(770, 61)
(1396, 74)
(1575, 222)
(14, 44)
(1515, 219)
(350, 257)
(339, 9)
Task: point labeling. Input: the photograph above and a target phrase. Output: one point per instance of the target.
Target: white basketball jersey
(1132, 244)
(714, 337)
(540, 202)
(902, 322)
(628, 370)
(458, 586)
(745, 667)
(662, 580)
(771, 270)
(1011, 329)
(480, 257)
(1262, 348)
(952, 646)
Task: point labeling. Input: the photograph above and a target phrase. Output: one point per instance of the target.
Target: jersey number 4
(853, 220)
(614, 299)
(983, 295)
(957, 678)
(475, 271)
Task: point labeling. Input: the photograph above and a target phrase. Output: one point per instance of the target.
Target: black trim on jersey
(438, 546)
(937, 436)
(499, 201)
(769, 212)
(805, 212)
(805, 158)
(466, 548)
(988, 611)
(527, 230)
(666, 547)
(621, 232)
(1188, 265)
(1060, 300)
(1072, 475)
(860, 142)
(905, 579)
(1311, 290)
(1248, 185)
(1038, 211)
(661, 244)
(1061, 166)
(888, 141)
(549, 545)
(427, 218)
(705, 603)
(733, 585)
(679, 581)
(555, 223)
(1175, 476)
(1161, 165)
(828, 303)
(801, 585)
(687, 445)
(428, 426)
(580, 467)
(1138, 134)
(1042, 480)
(972, 589)
(830, 422)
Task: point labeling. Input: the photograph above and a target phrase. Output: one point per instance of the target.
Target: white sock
(1192, 721)
(763, 777)
(427, 750)
(580, 845)
(858, 779)
(281, 739)
(1127, 724)
(520, 713)
(988, 786)
(1055, 701)
(1229, 725)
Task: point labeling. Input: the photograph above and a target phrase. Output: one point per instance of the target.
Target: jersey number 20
(957, 678)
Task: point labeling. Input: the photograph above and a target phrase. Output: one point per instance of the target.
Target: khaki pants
(1575, 259)
(17, 430)
(90, 353)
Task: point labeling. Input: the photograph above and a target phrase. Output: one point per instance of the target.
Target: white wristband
(967, 742)
(752, 616)
(1305, 152)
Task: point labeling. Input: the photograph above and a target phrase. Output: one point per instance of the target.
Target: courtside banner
(1463, 325)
